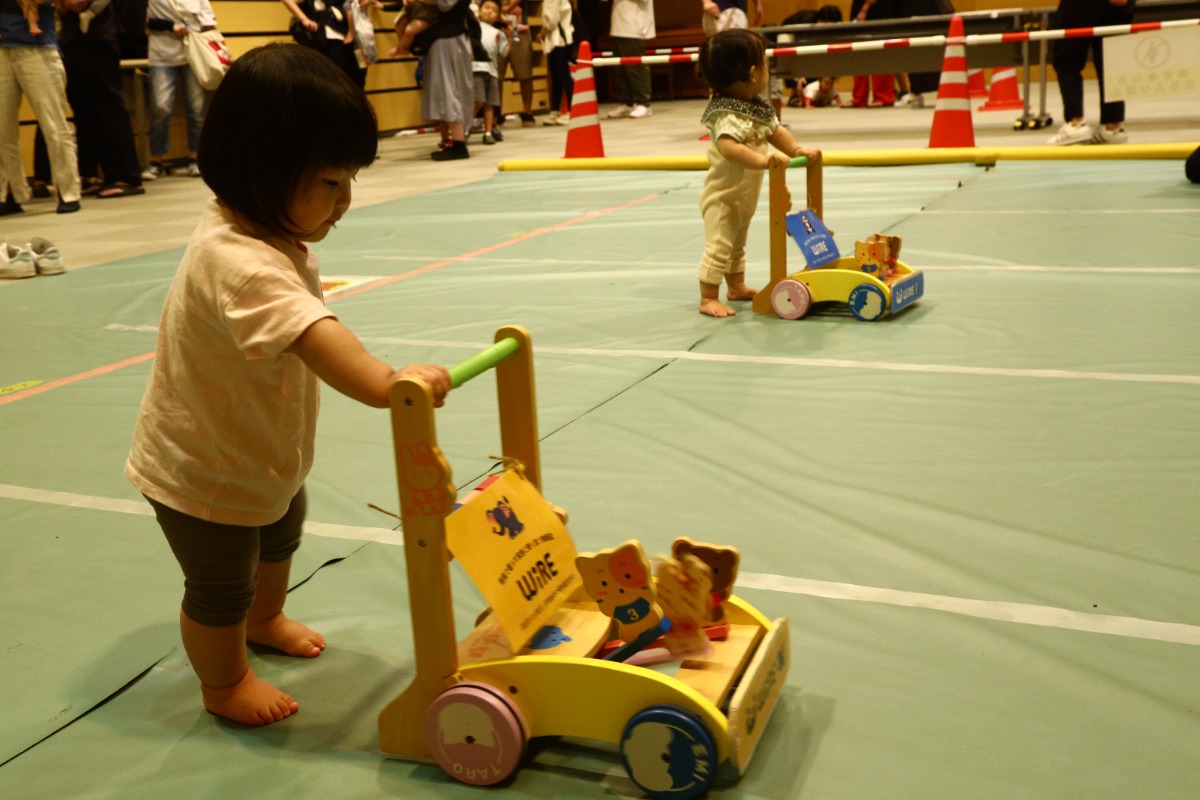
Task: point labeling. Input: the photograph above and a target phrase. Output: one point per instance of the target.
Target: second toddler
(742, 123)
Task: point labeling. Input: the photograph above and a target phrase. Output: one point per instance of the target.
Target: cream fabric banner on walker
(517, 551)
(1152, 63)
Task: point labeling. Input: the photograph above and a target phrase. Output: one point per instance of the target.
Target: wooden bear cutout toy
(878, 255)
(723, 565)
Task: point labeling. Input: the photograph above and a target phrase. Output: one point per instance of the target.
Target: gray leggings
(220, 562)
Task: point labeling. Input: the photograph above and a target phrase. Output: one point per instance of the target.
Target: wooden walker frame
(714, 710)
(792, 295)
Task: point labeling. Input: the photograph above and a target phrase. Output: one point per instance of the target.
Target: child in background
(413, 19)
(29, 10)
(487, 73)
(224, 439)
(742, 123)
(819, 94)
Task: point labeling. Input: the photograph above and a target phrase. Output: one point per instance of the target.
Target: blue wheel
(669, 753)
(867, 302)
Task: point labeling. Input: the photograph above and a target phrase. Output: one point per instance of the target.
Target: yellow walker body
(873, 283)
(473, 704)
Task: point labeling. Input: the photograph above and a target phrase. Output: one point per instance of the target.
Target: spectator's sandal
(120, 189)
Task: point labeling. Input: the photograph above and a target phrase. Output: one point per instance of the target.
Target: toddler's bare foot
(715, 308)
(287, 635)
(250, 701)
(742, 292)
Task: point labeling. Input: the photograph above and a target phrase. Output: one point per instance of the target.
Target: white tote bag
(208, 56)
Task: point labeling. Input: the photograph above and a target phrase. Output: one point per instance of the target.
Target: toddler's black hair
(281, 113)
(727, 57)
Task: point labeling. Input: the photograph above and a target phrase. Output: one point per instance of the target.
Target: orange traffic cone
(583, 133)
(976, 83)
(1004, 94)
(952, 126)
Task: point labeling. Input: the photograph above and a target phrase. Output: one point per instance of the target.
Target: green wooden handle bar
(482, 361)
(799, 161)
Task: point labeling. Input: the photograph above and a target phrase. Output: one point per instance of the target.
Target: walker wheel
(790, 299)
(669, 753)
(867, 302)
(476, 734)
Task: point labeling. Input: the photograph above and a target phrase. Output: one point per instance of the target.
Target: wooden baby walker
(670, 668)
(873, 283)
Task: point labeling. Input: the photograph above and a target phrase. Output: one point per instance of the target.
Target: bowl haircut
(281, 113)
(727, 57)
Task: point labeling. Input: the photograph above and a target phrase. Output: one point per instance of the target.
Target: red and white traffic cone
(1004, 95)
(952, 126)
(976, 83)
(583, 133)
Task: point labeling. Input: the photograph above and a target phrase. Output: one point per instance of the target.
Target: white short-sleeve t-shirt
(228, 420)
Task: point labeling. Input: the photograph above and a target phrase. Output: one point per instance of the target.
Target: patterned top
(739, 119)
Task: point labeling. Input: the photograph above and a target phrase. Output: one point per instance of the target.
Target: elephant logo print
(505, 519)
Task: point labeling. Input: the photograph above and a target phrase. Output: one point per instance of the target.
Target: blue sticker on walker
(813, 237)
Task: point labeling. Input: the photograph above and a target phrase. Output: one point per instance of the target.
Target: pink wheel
(790, 299)
(476, 734)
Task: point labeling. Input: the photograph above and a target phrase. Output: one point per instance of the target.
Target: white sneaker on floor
(16, 262)
(152, 172)
(1070, 133)
(46, 258)
(639, 111)
(620, 112)
(193, 170)
(1104, 136)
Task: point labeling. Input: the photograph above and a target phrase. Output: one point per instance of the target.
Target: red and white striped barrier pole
(921, 41)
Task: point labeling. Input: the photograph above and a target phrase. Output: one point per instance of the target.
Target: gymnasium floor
(980, 517)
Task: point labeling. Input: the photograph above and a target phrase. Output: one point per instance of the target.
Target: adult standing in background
(519, 57)
(168, 23)
(557, 38)
(632, 23)
(91, 52)
(325, 27)
(30, 67)
(448, 90)
(883, 87)
(1070, 57)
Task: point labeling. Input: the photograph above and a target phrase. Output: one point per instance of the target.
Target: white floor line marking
(640, 269)
(1058, 212)
(143, 509)
(1022, 613)
(834, 363)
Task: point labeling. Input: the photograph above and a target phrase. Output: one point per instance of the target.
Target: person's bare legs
(710, 301)
(228, 686)
(736, 288)
(266, 624)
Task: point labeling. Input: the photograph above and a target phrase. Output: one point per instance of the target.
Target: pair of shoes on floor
(527, 120)
(91, 186)
(635, 111)
(38, 257)
(153, 171)
(193, 170)
(557, 118)
(489, 138)
(120, 189)
(914, 99)
(1072, 133)
(453, 152)
(67, 206)
(40, 189)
